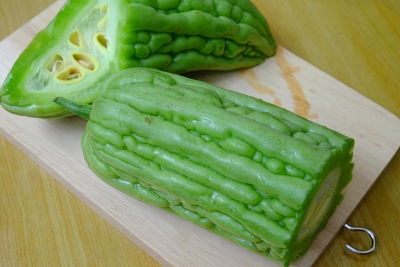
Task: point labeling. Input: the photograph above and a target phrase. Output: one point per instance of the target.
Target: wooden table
(357, 42)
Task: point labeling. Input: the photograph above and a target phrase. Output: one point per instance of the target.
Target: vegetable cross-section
(89, 40)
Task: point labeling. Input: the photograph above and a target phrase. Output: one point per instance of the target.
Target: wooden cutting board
(285, 80)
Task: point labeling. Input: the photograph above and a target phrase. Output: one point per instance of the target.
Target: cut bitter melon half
(90, 40)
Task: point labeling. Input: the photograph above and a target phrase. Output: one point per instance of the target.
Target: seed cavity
(101, 39)
(55, 64)
(75, 39)
(70, 74)
(85, 61)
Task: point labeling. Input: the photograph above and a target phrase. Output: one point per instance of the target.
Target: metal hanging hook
(371, 236)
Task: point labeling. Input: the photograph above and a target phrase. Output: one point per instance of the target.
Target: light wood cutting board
(285, 80)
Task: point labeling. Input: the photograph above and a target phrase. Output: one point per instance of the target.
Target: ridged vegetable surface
(90, 39)
(252, 172)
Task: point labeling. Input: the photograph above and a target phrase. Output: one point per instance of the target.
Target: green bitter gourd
(90, 39)
(252, 172)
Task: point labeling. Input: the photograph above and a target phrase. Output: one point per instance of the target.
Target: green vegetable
(206, 154)
(89, 40)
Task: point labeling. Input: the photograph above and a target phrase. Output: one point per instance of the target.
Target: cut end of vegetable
(79, 58)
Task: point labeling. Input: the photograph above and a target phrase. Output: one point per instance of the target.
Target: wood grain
(373, 214)
(42, 224)
(14, 13)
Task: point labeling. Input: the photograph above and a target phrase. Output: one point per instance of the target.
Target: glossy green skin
(172, 35)
(238, 166)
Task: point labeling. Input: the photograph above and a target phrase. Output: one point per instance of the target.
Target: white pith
(82, 57)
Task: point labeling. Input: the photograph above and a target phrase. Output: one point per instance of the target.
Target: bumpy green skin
(172, 35)
(238, 166)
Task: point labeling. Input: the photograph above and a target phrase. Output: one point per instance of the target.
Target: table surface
(357, 42)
